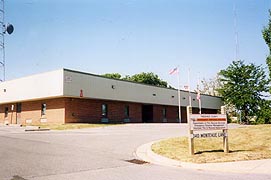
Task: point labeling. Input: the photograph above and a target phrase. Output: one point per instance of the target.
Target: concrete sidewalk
(17, 128)
(145, 153)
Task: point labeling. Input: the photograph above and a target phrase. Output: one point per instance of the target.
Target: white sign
(207, 126)
(207, 135)
(199, 122)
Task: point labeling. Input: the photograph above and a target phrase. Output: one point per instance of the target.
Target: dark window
(104, 110)
(6, 111)
(126, 111)
(164, 111)
(43, 109)
(19, 107)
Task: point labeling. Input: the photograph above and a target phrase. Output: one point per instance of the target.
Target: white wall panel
(44, 85)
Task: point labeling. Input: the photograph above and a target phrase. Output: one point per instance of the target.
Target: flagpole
(199, 106)
(179, 96)
(176, 71)
(199, 99)
(190, 101)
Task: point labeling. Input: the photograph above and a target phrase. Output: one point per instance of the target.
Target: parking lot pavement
(11, 129)
(97, 153)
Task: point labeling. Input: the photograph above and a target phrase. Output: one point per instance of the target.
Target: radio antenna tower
(236, 34)
(5, 28)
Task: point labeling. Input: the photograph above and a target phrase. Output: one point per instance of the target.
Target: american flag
(173, 71)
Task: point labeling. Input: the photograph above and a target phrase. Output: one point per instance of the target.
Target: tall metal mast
(236, 35)
(2, 42)
(4, 28)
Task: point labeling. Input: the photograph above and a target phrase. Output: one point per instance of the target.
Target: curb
(36, 130)
(145, 153)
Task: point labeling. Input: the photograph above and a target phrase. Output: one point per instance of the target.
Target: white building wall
(40, 86)
(68, 83)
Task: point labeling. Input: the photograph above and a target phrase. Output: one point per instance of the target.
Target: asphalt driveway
(98, 153)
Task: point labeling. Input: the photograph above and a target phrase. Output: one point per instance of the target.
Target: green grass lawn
(72, 126)
(245, 143)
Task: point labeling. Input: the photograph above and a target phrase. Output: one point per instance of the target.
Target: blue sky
(133, 36)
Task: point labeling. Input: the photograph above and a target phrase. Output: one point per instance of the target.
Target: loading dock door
(147, 113)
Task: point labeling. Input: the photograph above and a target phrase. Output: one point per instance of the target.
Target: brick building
(66, 96)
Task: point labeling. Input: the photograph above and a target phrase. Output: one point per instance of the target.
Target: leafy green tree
(112, 75)
(243, 86)
(267, 37)
(267, 32)
(264, 113)
(147, 78)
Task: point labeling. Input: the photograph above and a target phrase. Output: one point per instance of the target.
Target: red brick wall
(67, 110)
(157, 114)
(32, 111)
(82, 110)
(90, 111)
(11, 117)
(171, 114)
(135, 113)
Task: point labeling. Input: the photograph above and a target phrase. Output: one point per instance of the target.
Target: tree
(112, 75)
(267, 37)
(264, 113)
(267, 32)
(243, 86)
(147, 78)
(211, 86)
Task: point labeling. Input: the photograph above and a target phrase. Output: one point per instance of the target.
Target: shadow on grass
(219, 150)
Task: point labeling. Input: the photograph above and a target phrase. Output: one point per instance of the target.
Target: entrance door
(147, 113)
(18, 113)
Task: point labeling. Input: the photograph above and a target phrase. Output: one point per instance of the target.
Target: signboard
(207, 135)
(207, 126)
(205, 122)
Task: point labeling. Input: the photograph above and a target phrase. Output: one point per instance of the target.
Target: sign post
(225, 131)
(190, 133)
(207, 125)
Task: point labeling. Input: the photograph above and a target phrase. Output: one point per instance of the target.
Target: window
(43, 109)
(164, 111)
(126, 111)
(19, 107)
(6, 112)
(104, 110)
